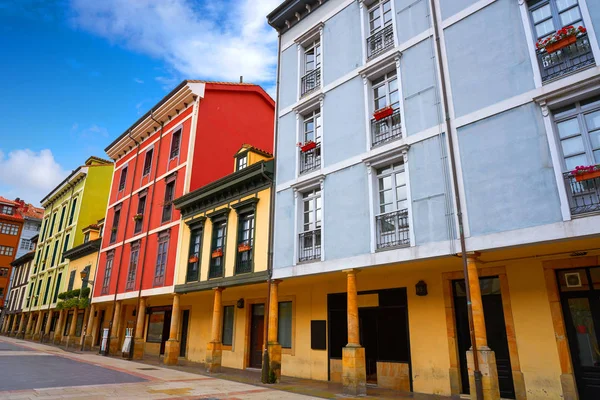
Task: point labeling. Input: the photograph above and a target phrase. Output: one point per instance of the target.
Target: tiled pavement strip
(161, 383)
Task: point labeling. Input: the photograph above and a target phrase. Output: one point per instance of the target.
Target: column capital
(218, 289)
(470, 254)
(276, 281)
(351, 271)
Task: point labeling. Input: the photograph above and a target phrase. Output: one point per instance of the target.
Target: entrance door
(100, 326)
(581, 311)
(495, 328)
(184, 332)
(165, 332)
(368, 339)
(257, 335)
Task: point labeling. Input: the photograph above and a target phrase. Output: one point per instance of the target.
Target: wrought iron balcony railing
(216, 271)
(130, 285)
(310, 160)
(310, 82)
(584, 196)
(243, 262)
(566, 60)
(310, 245)
(380, 41)
(386, 129)
(159, 280)
(392, 229)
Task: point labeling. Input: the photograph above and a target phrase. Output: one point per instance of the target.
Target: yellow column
(5, 323)
(172, 345)
(354, 372)
(21, 324)
(14, 323)
(59, 326)
(48, 324)
(38, 326)
(89, 328)
(72, 339)
(214, 347)
(138, 342)
(485, 355)
(114, 331)
(273, 346)
(29, 325)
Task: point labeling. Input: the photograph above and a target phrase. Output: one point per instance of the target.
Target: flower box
(217, 253)
(138, 217)
(383, 113)
(193, 259)
(307, 146)
(587, 175)
(551, 48)
(244, 247)
(583, 173)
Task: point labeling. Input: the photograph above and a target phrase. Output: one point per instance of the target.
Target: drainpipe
(457, 199)
(130, 356)
(107, 350)
(265, 363)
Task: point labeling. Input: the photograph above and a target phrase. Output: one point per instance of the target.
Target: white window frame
(316, 182)
(302, 110)
(365, 6)
(150, 148)
(303, 42)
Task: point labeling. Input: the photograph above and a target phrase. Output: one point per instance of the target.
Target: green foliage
(75, 293)
(84, 303)
(85, 293)
(60, 305)
(70, 303)
(71, 299)
(62, 295)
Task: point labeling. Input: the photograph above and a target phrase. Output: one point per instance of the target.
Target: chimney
(241, 78)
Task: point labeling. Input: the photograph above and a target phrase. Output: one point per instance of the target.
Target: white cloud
(138, 80)
(216, 40)
(29, 175)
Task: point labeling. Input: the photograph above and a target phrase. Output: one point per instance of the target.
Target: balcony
(130, 285)
(310, 82)
(243, 262)
(386, 129)
(215, 270)
(392, 229)
(380, 41)
(310, 160)
(310, 245)
(584, 196)
(566, 60)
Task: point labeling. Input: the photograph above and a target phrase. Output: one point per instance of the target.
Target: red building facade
(182, 143)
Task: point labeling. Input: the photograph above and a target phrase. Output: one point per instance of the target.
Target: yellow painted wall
(78, 265)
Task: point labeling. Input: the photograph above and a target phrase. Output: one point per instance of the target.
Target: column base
(114, 348)
(28, 336)
(57, 338)
(35, 337)
(274, 362)
(88, 342)
(138, 349)
(354, 371)
(72, 341)
(213, 357)
(489, 373)
(171, 352)
(569, 387)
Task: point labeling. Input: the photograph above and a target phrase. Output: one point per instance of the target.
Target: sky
(75, 74)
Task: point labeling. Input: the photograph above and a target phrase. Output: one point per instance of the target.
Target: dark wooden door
(100, 326)
(257, 335)
(185, 318)
(368, 338)
(496, 333)
(581, 311)
(165, 332)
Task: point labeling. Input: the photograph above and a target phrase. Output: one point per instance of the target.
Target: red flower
(582, 29)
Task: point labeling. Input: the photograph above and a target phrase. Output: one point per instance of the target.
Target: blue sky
(76, 73)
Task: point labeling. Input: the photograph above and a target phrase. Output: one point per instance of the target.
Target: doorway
(185, 320)
(99, 329)
(496, 332)
(580, 299)
(257, 326)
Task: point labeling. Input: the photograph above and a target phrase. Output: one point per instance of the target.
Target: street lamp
(84, 274)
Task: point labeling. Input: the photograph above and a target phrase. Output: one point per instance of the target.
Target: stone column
(214, 347)
(21, 324)
(28, 330)
(48, 325)
(90, 328)
(6, 323)
(354, 371)
(84, 327)
(273, 346)
(62, 315)
(138, 341)
(114, 331)
(172, 345)
(13, 328)
(486, 357)
(38, 327)
(72, 339)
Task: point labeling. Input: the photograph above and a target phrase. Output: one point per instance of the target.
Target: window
(175, 144)
(37, 293)
(45, 256)
(578, 129)
(193, 269)
(148, 162)
(310, 155)
(8, 210)
(312, 68)
(551, 15)
(381, 30)
(52, 226)
(86, 237)
(227, 334)
(139, 217)
(133, 262)
(48, 282)
(62, 218)
(72, 215)
(1, 292)
(86, 281)
(161, 259)
(56, 288)
(168, 203)
(9, 229)
(242, 162)
(66, 242)
(217, 256)
(29, 295)
(71, 280)
(385, 94)
(3, 272)
(392, 220)
(245, 243)
(54, 253)
(115, 225)
(44, 228)
(6, 251)
(26, 244)
(107, 272)
(156, 321)
(123, 179)
(310, 237)
(284, 330)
